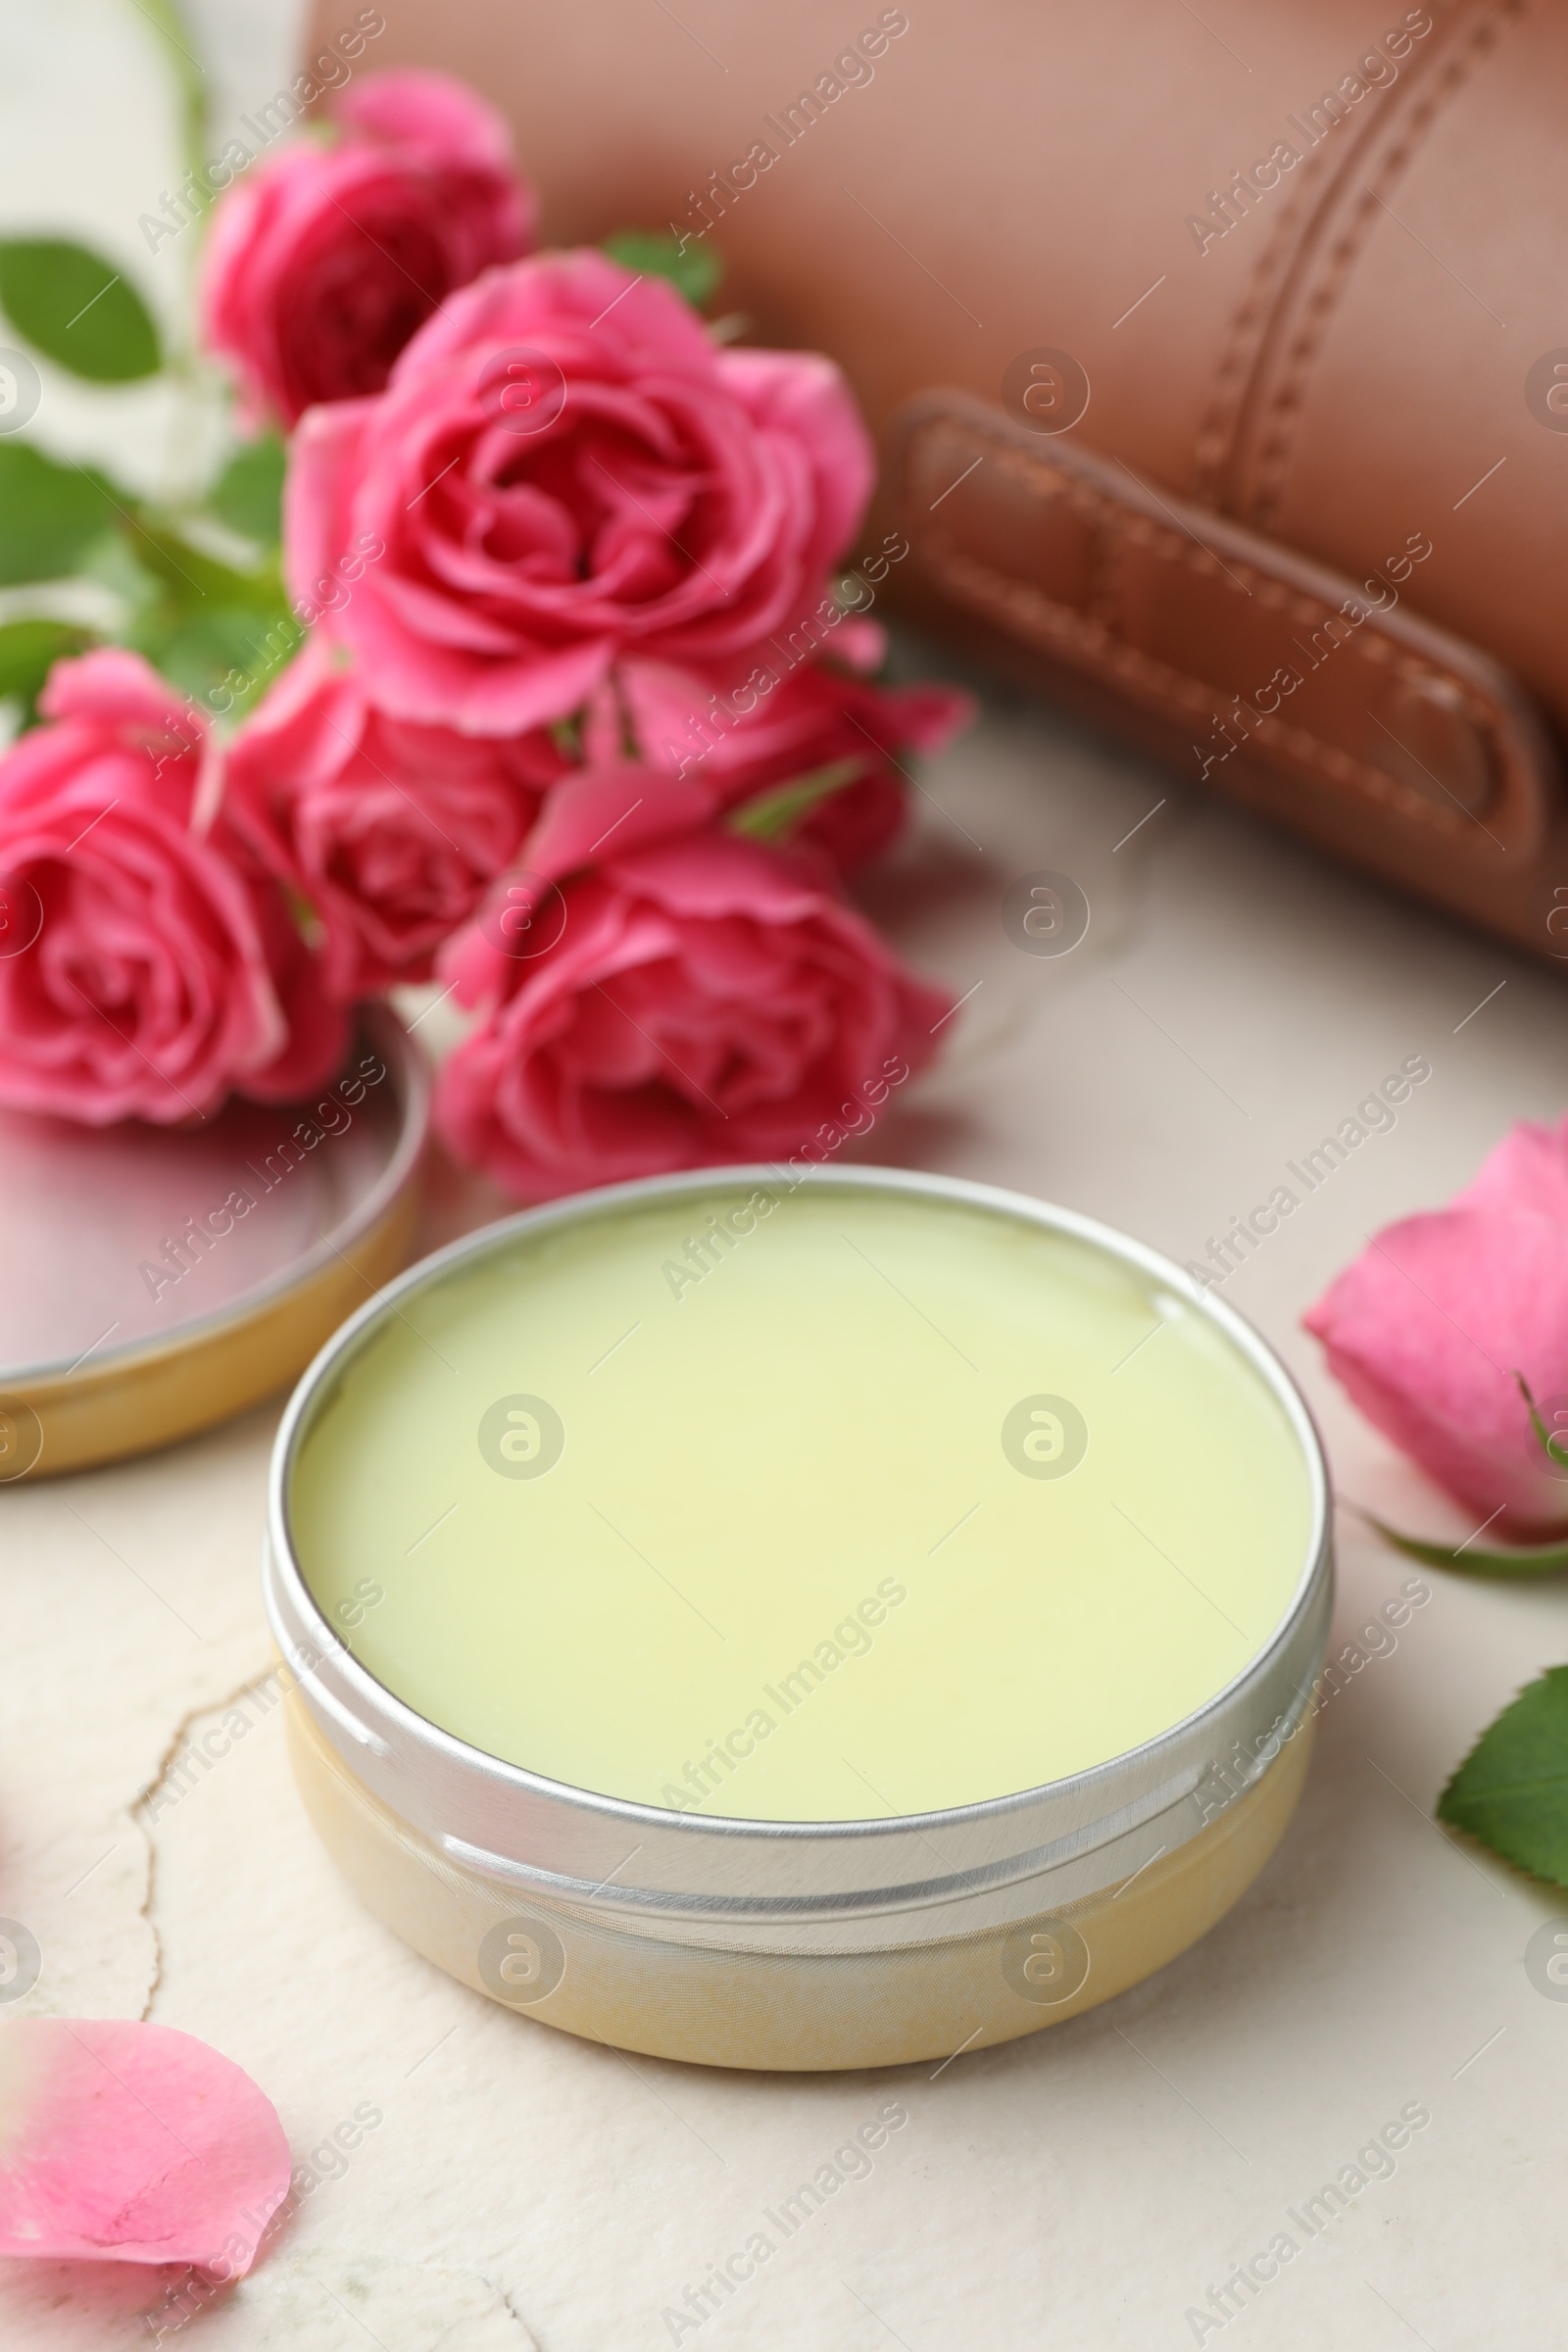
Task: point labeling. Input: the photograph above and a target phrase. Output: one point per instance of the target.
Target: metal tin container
(160, 1279)
(794, 1945)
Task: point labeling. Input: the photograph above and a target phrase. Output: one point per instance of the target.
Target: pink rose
(1427, 1330)
(565, 469)
(149, 973)
(699, 1000)
(756, 737)
(390, 832)
(322, 262)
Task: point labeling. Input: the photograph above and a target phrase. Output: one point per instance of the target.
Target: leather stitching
(1266, 288)
(1104, 600)
(1168, 688)
(1089, 637)
(1282, 409)
(1243, 341)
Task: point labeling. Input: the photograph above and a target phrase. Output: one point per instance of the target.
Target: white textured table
(1233, 1000)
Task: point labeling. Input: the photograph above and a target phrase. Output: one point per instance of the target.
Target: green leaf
(773, 815)
(50, 514)
(1552, 1441)
(195, 582)
(111, 562)
(1530, 1559)
(223, 657)
(248, 493)
(693, 271)
(29, 651)
(1511, 1792)
(77, 309)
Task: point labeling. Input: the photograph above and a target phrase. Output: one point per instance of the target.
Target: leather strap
(1242, 652)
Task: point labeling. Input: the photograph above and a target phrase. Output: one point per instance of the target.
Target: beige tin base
(794, 2010)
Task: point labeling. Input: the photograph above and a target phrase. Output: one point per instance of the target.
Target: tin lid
(161, 1279)
(838, 1884)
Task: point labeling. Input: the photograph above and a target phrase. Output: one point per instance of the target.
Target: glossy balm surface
(900, 1504)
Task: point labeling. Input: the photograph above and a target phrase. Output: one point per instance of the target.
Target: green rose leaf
(1526, 1559)
(1511, 1792)
(29, 651)
(692, 272)
(220, 634)
(195, 582)
(77, 309)
(50, 514)
(223, 658)
(773, 815)
(248, 493)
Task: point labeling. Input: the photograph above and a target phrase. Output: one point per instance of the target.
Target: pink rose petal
(129, 2142)
(411, 107)
(744, 732)
(653, 495)
(706, 999)
(610, 809)
(390, 832)
(165, 969)
(1427, 1329)
(324, 261)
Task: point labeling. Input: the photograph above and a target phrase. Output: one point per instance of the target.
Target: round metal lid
(130, 1249)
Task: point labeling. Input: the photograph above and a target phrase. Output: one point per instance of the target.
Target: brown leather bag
(1220, 358)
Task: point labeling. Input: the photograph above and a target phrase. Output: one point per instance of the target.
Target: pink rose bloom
(704, 999)
(1428, 1328)
(389, 831)
(565, 469)
(151, 973)
(746, 741)
(322, 262)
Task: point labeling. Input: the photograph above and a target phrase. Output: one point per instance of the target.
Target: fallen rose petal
(129, 2142)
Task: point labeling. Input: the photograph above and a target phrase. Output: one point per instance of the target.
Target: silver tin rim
(687, 1876)
(410, 1080)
